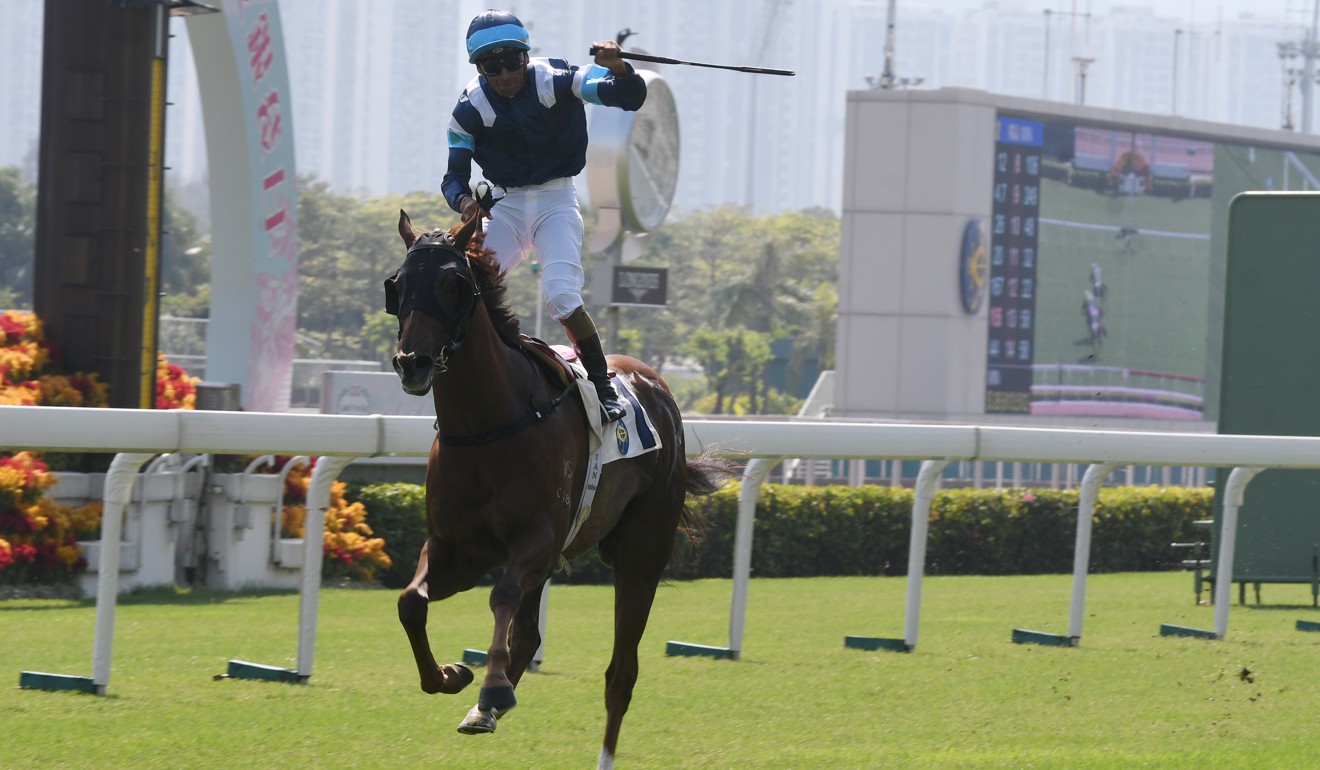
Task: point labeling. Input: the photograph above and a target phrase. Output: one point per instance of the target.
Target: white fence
(137, 436)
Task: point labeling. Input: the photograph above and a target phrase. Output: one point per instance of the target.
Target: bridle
(418, 283)
(431, 264)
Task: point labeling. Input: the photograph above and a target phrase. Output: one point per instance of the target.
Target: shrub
(838, 530)
(351, 550)
(38, 539)
(398, 516)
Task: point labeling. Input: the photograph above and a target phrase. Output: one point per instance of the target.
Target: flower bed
(38, 538)
(350, 549)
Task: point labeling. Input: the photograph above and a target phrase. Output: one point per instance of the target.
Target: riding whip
(666, 60)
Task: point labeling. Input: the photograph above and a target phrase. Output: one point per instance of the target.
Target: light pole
(1045, 78)
(1082, 63)
(1308, 69)
(888, 78)
(1173, 98)
(1288, 53)
(1049, 23)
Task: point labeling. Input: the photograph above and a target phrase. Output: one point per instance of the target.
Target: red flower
(25, 553)
(10, 326)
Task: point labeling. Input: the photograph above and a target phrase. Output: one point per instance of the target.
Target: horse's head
(434, 295)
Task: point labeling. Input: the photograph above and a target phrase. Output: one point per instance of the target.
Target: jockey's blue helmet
(493, 32)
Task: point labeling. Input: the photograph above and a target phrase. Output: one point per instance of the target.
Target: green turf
(965, 698)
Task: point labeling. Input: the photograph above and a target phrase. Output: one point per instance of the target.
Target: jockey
(523, 121)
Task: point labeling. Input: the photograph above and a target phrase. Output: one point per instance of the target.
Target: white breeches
(544, 217)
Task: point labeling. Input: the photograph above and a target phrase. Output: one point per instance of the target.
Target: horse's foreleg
(413, 603)
(506, 598)
(497, 690)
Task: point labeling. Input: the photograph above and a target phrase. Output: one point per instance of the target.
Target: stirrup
(611, 407)
(611, 411)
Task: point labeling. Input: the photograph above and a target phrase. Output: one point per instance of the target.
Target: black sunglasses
(494, 65)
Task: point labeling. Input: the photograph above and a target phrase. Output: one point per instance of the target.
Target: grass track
(966, 698)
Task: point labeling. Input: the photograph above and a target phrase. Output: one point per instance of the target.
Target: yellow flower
(55, 391)
(69, 554)
(85, 521)
(13, 481)
(293, 521)
(38, 515)
(22, 394)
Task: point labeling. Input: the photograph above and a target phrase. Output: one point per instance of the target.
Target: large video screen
(1107, 251)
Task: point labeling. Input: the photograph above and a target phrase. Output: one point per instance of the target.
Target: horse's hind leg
(413, 602)
(638, 550)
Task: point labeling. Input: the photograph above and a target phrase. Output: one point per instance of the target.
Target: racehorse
(506, 474)
(1095, 327)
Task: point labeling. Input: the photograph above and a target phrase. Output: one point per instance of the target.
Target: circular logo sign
(973, 268)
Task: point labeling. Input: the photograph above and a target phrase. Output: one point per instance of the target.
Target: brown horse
(506, 474)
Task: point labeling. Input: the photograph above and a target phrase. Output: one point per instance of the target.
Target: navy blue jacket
(538, 135)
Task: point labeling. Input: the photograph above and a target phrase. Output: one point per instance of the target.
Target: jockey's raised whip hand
(607, 56)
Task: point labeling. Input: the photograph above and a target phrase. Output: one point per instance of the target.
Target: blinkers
(425, 282)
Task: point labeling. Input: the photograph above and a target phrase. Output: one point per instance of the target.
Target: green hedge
(835, 530)
(397, 513)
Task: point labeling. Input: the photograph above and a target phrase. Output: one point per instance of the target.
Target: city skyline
(372, 95)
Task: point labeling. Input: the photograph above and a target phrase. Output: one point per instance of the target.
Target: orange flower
(174, 388)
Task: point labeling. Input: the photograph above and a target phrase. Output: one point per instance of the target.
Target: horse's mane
(494, 293)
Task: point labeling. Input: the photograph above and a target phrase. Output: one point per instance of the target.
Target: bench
(1204, 579)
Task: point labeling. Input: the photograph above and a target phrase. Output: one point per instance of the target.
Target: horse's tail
(706, 475)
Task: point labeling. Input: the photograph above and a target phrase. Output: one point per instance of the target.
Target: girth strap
(533, 416)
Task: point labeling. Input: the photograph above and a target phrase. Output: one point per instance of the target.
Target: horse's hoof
(478, 722)
(452, 679)
(464, 673)
(499, 699)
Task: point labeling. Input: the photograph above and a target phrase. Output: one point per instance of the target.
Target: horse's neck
(487, 383)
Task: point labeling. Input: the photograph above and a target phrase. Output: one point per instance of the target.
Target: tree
(738, 284)
(18, 217)
(729, 273)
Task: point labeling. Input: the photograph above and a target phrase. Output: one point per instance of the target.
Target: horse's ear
(406, 229)
(463, 233)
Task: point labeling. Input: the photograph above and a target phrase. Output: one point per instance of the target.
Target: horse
(1095, 327)
(506, 474)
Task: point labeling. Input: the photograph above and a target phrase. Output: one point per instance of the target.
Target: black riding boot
(593, 358)
(582, 331)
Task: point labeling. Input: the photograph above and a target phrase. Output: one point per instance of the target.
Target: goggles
(491, 66)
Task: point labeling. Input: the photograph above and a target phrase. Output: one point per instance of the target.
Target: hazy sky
(1198, 11)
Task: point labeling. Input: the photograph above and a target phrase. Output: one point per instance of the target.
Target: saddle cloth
(631, 436)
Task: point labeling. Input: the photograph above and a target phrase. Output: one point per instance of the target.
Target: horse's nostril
(411, 363)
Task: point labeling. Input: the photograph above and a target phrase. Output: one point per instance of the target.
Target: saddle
(631, 436)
